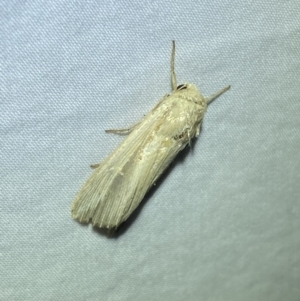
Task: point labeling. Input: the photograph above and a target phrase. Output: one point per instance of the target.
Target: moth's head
(191, 92)
(190, 87)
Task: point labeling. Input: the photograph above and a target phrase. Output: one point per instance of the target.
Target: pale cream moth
(120, 182)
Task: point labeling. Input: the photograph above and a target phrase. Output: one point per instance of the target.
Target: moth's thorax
(178, 115)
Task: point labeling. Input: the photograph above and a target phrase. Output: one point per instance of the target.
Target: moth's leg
(93, 166)
(125, 131)
(217, 94)
(119, 132)
(173, 74)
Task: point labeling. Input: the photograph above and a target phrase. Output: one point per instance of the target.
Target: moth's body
(120, 182)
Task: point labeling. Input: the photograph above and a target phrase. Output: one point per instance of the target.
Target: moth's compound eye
(181, 87)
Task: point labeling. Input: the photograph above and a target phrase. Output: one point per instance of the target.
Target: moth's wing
(107, 198)
(113, 192)
(119, 184)
(156, 157)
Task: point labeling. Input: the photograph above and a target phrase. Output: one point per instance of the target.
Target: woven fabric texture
(223, 223)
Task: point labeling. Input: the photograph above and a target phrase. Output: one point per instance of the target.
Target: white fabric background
(224, 222)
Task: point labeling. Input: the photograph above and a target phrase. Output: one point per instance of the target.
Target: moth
(118, 184)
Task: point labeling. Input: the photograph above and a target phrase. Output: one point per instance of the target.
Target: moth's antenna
(173, 74)
(217, 94)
